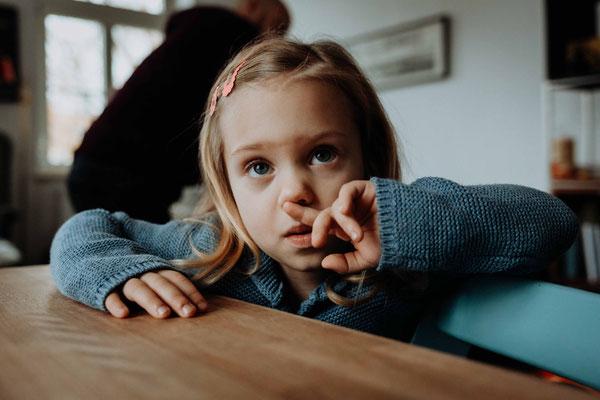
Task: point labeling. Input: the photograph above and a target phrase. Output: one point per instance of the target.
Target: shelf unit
(574, 187)
(580, 195)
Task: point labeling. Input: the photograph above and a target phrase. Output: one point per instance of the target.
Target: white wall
(483, 123)
(480, 125)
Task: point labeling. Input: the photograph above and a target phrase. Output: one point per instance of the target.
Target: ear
(250, 8)
(253, 5)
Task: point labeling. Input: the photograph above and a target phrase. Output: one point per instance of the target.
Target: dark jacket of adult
(143, 148)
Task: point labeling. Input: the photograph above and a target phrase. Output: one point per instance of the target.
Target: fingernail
(354, 235)
(188, 309)
(162, 310)
(202, 305)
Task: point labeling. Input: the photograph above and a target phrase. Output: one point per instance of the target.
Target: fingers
(303, 214)
(342, 263)
(115, 306)
(344, 204)
(343, 218)
(160, 292)
(330, 222)
(169, 293)
(357, 198)
(138, 291)
(186, 287)
(348, 223)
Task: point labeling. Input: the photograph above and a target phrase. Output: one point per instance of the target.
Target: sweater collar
(270, 282)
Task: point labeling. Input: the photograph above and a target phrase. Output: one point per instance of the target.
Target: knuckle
(183, 297)
(325, 213)
(136, 290)
(335, 206)
(167, 272)
(132, 284)
(150, 277)
(346, 188)
(180, 279)
(177, 278)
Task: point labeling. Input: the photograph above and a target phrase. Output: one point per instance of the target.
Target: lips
(299, 230)
(299, 236)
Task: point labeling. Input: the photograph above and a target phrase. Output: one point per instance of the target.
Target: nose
(296, 187)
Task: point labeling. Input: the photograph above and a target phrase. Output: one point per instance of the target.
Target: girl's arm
(95, 252)
(435, 224)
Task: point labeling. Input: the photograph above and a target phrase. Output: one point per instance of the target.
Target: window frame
(107, 16)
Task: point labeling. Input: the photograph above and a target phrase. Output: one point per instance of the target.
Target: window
(148, 6)
(130, 46)
(75, 92)
(91, 47)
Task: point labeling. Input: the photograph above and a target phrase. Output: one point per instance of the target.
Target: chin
(306, 263)
(308, 259)
(303, 262)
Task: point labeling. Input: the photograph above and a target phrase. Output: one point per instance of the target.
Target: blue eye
(259, 169)
(322, 156)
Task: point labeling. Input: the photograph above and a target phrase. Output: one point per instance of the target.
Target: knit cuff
(386, 204)
(403, 244)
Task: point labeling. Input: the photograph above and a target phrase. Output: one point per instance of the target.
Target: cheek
(248, 205)
(353, 169)
(245, 209)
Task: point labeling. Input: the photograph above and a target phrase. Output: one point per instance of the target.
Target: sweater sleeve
(434, 224)
(95, 251)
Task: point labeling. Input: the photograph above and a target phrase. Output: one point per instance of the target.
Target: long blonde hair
(325, 61)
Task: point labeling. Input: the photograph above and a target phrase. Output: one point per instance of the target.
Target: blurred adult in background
(143, 149)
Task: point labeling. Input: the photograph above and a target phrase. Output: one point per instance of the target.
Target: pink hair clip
(229, 85)
(213, 102)
(227, 88)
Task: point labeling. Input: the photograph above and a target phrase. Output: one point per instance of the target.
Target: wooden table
(55, 348)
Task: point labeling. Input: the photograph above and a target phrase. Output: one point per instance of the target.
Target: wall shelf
(587, 82)
(560, 187)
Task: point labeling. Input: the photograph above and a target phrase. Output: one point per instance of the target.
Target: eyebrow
(264, 145)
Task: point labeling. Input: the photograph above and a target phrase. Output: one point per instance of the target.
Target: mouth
(299, 230)
(299, 236)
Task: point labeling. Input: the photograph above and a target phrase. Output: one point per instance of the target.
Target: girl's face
(289, 141)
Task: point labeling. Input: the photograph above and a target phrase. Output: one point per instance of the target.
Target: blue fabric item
(433, 227)
(552, 327)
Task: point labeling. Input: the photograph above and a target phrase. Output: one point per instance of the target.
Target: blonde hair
(326, 62)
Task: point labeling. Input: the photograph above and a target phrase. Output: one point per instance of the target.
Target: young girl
(304, 210)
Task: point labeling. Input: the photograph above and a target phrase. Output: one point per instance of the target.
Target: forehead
(282, 110)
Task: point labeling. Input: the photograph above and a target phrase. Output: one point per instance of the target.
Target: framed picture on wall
(9, 51)
(406, 54)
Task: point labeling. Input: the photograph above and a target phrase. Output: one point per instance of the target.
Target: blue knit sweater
(433, 225)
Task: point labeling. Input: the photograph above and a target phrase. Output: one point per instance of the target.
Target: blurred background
(508, 105)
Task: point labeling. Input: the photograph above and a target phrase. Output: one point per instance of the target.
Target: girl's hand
(158, 293)
(351, 217)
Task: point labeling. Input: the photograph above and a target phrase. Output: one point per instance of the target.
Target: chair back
(552, 327)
